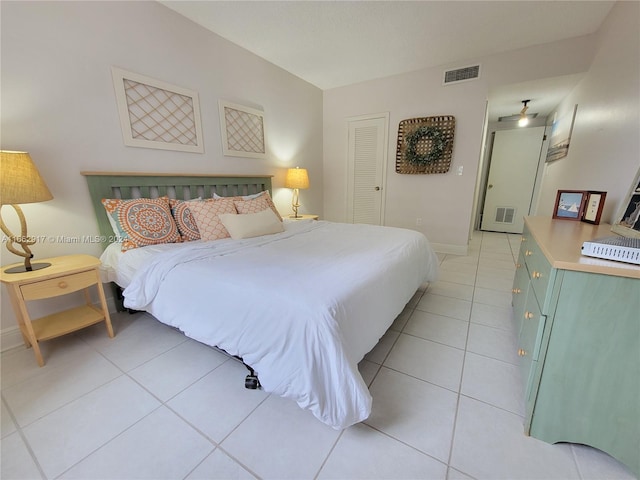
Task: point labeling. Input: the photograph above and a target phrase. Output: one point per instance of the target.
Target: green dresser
(579, 340)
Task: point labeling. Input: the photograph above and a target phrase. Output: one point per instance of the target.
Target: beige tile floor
(153, 404)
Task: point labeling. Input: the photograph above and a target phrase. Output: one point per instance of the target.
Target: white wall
(444, 202)
(604, 153)
(58, 103)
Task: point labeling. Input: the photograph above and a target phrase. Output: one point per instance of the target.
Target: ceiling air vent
(461, 74)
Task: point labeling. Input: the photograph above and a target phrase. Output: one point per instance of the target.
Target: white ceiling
(336, 43)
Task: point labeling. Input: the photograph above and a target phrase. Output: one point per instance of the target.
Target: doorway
(367, 166)
(514, 161)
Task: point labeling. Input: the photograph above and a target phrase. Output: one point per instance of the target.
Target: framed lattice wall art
(425, 145)
(243, 131)
(156, 114)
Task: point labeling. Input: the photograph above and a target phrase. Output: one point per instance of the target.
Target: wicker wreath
(438, 144)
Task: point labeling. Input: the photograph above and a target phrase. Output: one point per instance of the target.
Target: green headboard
(178, 186)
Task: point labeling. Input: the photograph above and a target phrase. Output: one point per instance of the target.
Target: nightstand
(304, 217)
(66, 275)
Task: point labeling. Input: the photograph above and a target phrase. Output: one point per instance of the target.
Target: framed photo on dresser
(593, 207)
(570, 204)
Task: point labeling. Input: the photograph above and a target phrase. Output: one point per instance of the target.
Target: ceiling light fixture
(524, 120)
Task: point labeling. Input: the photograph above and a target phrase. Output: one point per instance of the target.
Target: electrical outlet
(418, 221)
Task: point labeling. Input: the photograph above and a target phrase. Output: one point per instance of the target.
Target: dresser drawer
(519, 291)
(525, 241)
(530, 341)
(59, 286)
(539, 270)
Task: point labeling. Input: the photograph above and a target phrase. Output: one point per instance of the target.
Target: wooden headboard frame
(178, 186)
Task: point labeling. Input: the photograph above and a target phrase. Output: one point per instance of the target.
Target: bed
(301, 306)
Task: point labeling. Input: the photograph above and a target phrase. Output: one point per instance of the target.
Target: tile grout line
(464, 357)
(460, 394)
(23, 437)
(324, 462)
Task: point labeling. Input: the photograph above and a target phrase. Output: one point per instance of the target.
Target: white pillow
(251, 224)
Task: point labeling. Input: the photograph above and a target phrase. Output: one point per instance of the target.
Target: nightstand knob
(63, 284)
(528, 315)
(528, 253)
(521, 352)
(516, 290)
(536, 274)
(518, 265)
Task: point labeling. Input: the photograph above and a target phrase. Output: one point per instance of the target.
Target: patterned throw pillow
(142, 221)
(187, 226)
(206, 214)
(255, 205)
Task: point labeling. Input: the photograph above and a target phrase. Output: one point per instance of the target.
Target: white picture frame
(242, 130)
(157, 114)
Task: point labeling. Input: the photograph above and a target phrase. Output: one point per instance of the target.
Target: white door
(512, 176)
(367, 159)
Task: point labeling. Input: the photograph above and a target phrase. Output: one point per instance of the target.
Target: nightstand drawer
(59, 286)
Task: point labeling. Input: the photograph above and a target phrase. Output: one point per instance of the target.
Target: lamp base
(23, 269)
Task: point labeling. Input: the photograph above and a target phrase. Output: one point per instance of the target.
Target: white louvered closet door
(368, 140)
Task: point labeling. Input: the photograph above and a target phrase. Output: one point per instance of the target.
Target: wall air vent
(505, 214)
(461, 75)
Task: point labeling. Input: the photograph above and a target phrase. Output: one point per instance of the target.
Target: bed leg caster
(251, 382)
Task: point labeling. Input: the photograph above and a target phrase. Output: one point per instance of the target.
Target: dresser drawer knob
(528, 253)
(516, 290)
(62, 284)
(536, 274)
(518, 265)
(523, 239)
(522, 352)
(528, 315)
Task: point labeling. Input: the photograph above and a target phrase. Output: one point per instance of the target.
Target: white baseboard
(10, 338)
(450, 249)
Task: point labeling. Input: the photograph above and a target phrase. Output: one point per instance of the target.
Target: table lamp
(296, 178)
(20, 182)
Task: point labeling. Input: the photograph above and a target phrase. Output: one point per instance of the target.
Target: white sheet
(301, 307)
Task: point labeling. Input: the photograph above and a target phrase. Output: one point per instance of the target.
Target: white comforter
(301, 307)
